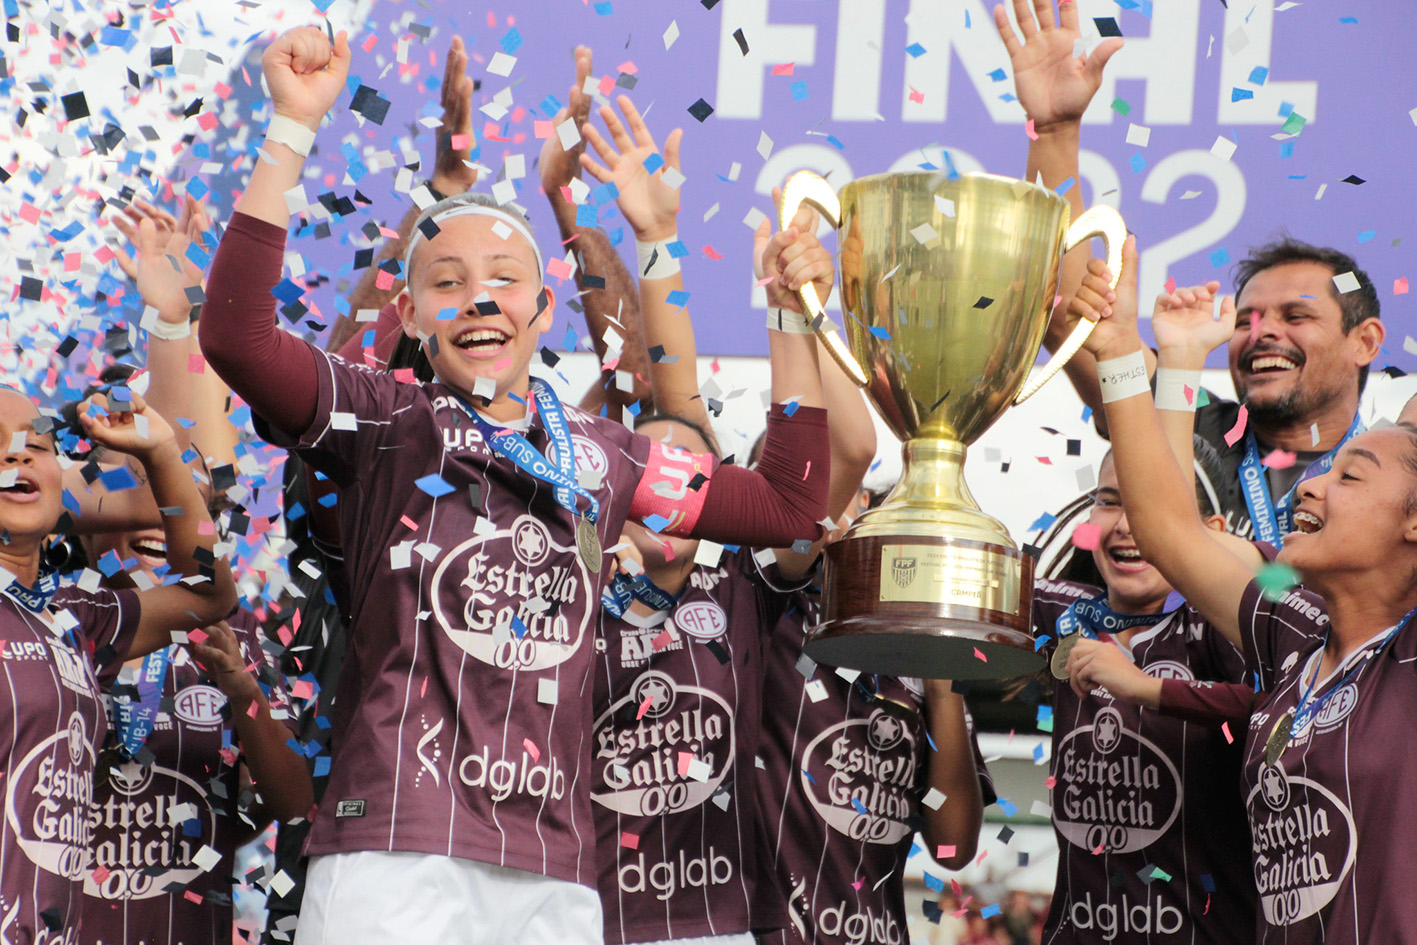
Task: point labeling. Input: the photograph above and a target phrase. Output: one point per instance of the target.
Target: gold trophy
(946, 287)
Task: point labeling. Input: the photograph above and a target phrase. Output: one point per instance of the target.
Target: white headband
(473, 209)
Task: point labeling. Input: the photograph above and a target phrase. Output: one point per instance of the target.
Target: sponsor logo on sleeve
(513, 598)
(1304, 843)
(47, 800)
(662, 749)
(860, 777)
(1114, 789)
(142, 837)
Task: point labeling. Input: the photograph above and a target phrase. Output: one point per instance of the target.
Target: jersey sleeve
(1274, 631)
(1206, 702)
(106, 620)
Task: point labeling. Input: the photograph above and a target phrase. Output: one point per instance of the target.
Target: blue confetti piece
(998, 75)
(328, 500)
(1367, 236)
(915, 849)
(1127, 4)
(118, 479)
(1208, 882)
(1040, 641)
(677, 249)
(1238, 94)
(197, 256)
(1045, 713)
(915, 50)
(433, 485)
(678, 298)
(1258, 75)
(799, 91)
(323, 5)
(518, 627)
(860, 807)
(1043, 521)
(196, 189)
(606, 193)
(933, 746)
(1286, 109)
(512, 41)
(835, 142)
(295, 512)
(1137, 162)
(111, 35)
(322, 766)
(569, 342)
(110, 564)
(550, 105)
(585, 215)
(1037, 754)
(1286, 149)
(1349, 20)
(988, 912)
(789, 408)
(654, 162)
(192, 828)
(1086, 414)
(287, 291)
(1220, 257)
(655, 523)
(1007, 807)
(604, 8)
(1065, 186)
(934, 883)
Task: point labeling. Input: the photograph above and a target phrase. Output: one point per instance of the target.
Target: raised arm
(239, 335)
(168, 278)
(649, 201)
(453, 174)
(1055, 86)
(950, 769)
(206, 592)
(606, 290)
(1185, 333)
(1158, 496)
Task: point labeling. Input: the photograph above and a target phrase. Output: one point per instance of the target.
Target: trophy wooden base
(928, 606)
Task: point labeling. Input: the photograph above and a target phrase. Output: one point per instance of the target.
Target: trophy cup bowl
(946, 288)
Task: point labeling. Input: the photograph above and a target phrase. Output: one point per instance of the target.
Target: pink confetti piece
(644, 707)
(1171, 286)
(1189, 392)
(944, 852)
(196, 364)
(784, 68)
(531, 749)
(1225, 729)
(664, 639)
(559, 268)
(1087, 536)
(686, 758)
(1279, 459)
(980, 656)
(630, 841)
(918, 97)
(1238, 430)
(1029, 130)
(1399, 287)
(410, 523)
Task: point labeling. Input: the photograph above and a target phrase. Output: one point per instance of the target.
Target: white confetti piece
(546, 691)
(671, 34)
(206, 858)
(1223, 148)
(339, 420)
(501, 64)
(708, 554)
(933, 798)
(569, 134)
(945, 206)
(1346, 282)
(815, 690)
(1138, 135)
(764, 145)
(925, 234)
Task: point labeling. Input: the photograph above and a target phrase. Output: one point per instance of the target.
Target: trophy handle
(813, 189)
(1102, 222)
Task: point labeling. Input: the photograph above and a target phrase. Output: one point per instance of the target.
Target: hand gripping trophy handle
(813, 190)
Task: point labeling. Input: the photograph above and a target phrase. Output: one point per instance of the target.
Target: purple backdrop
(1192, 71)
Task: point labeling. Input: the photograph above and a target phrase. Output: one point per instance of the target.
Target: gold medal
(1279, 739)
(589, 543)
(1059, 663)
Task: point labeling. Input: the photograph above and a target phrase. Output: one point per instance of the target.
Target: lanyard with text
(562, 475)
(134, 719)
(1087, 619)
(1271, 520)
(622, 589)
(35, 599)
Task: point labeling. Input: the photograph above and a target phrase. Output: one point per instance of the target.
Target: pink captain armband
(668, 500)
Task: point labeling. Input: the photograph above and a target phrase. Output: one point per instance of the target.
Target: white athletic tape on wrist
(291, 133)
(664, 264)
(1171, 387)
(170, 331)
(1123, 377)
(793, 323)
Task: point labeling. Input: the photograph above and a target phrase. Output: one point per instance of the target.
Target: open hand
(124, 426)
(1053, 85)
(305, 73)
(1184, 325)
(647, 200)
(160, 268)
(453, 172)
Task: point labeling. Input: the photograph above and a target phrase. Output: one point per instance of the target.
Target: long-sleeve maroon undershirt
(275, 373)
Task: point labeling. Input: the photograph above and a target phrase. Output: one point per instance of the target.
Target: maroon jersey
(676, 740)
(463, 713)
(1151, 832)
(1332, 849)
(54, 724)
(844, 770)
(146, 881)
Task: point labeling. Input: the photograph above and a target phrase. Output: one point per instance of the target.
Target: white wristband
(170, 331)
(291, 133)
(664, 264)
(1123, 377)
(780, 319)
(1171, 387)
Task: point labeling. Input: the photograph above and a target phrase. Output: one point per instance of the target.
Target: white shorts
(379, 897)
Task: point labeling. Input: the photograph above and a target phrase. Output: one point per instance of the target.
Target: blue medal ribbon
(1272, 521)
(529, 459)
(35, 599)
(1307, 709)
(622, 588)
(134, 719)
(1093, 616)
